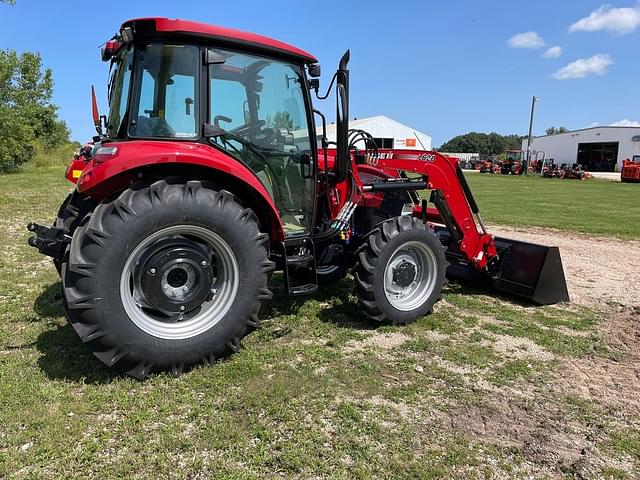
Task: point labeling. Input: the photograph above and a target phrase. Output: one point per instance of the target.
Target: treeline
(486, 144)
(29, 126)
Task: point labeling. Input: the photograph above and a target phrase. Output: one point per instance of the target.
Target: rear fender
(101, 179)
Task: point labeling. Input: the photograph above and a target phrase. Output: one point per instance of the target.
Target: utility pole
(533, 107)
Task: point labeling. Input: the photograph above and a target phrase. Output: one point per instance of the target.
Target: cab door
(261, 103)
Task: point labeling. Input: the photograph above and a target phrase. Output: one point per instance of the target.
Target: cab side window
(168, 101)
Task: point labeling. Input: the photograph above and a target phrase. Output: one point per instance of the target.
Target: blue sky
(443, 67)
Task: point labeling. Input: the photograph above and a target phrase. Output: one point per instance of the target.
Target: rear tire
(74, 208)
(400, 271)
(166, 276)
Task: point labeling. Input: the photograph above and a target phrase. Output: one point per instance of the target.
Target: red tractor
(206, 176)
(513, 163)
(487, 166)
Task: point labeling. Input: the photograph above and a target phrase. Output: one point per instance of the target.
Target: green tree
(27, 116)
(554, 131)
(482, 143)
(10, 2)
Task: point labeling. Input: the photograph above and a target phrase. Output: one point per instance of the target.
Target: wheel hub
(404, 274)
(163, 263)
(410, 275)
(175, 277)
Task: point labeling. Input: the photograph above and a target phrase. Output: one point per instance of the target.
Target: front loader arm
(455, 206)
(527, 270)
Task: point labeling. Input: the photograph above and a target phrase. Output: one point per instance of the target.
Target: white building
(387, 133)
(463, 156)
(597, 149)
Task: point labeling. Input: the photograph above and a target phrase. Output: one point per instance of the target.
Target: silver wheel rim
(422, 259)
(210, 312)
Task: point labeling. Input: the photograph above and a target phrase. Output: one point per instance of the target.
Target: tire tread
(102, 227)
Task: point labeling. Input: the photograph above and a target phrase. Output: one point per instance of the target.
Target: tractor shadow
(481, 292)
(338, 306)
(49, 302)
(64, 356)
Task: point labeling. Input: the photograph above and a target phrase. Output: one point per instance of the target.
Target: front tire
(166, 276)
(400, 271)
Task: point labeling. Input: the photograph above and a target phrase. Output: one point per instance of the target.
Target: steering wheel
(242, 129)
(263, 136)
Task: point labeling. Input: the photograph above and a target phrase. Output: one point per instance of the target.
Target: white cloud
(584, 67)
(616, 20)
(553, 52)
(626, 123)
(526, 40)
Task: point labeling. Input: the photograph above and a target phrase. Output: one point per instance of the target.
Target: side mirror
(314, 70)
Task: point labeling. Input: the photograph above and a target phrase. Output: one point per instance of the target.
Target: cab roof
(224, 36)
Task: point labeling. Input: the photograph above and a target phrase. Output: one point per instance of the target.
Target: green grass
(627, 442)
(590, 206)
(317, 392)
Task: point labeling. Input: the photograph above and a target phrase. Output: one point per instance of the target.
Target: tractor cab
(513, 156)
(249, 104)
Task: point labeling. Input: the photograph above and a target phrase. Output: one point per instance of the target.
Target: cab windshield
(118, 92)
(514, 155)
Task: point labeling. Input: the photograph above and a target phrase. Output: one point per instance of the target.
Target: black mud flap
(526, 270)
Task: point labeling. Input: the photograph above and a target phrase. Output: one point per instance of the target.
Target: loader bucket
(530, 271)
(525, 270)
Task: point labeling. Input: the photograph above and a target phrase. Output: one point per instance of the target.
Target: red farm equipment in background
(513, 164)
(631, 170)
(487, 166)
(206, 176)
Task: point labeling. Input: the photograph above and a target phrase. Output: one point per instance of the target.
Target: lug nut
(152, 271)
(204, 263)
(182, 308)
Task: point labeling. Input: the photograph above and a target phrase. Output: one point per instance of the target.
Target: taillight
(74, 170)
(104, 153)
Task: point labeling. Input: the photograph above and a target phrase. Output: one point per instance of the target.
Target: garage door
(598, 157)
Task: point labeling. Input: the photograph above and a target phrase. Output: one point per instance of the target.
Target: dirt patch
(614, 382)
(383, 341)
(542, 431)
(520, 348)
(598, 269)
